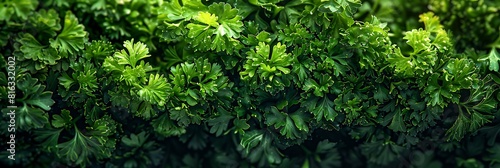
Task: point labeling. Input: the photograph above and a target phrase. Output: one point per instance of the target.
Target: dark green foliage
(252, 83)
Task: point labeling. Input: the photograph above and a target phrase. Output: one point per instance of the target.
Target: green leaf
(173, 11)
(460, 74)
(48, 138)
(87, 80)
(206, 77)
(28, 117)
(402, 64)
(240, 126)
(275, 117)
(186, 116)
(218, 29)
(42, 100)
(418, 39)
(441, 40)
(220, 123)
(103, 127)
(47, 21)
(300, 122)
(251, 140)
(134, 53)
(258, 147)
(156, 92)
(493, 59)
(492, 132)
(207, 18)
(327, 155)
(79, 149)
(267, 63)
(66, 81)
(397, 123)
(31, 48)
(163, 125)
(321, 108)
(289, 130)
(35, 94)
(22, 9)
(372, 41)
(381, 93)
(290, 126)
(63, 120)
(72, 38)
(428, 46)
(99, 49)
(473, 113)
(135, 140)
(174, 15)
(381, 153)
(437, 93)
(143, 109)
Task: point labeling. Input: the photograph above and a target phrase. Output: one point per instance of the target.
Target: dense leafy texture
(251, 83)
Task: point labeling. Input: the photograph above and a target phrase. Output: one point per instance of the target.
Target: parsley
(251, 83)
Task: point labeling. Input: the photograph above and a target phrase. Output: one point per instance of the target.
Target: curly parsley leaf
(32, 49)
(72, 38)
(63, 120)
(266, 63)
(216, 29)
(156, 91)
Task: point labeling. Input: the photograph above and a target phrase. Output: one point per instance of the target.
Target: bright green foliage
(267, 65)
(72, 37)
(216, 29)
(156, 90)
(126, 63)
(83, 76)
(250, 83)
(492, 59)
(372, 41)
(458, 74)
(428, 45)
(131, 57)
(34, 50)
(175, 15)
(99, 50)
(15, 8)
(317, 14)
(48, 21)
(130, 69)
(193, 85)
